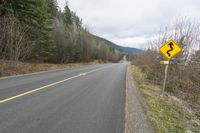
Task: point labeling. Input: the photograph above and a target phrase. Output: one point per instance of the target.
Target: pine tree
(46, 46)
(67, 16)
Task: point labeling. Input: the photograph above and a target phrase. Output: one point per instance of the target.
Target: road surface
(80, 100)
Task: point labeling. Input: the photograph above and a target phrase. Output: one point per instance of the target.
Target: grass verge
(167, 113)
(24, 67)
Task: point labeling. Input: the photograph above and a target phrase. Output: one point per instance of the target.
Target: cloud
(129, 22)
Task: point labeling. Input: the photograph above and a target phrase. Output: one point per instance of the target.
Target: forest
(38, 30)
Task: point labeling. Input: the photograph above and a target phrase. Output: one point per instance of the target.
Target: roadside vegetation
(168, 113)
(30, 67)
(179, 109)
(39, 31)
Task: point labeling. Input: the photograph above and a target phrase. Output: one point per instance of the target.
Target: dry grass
(24, 67)
(167, 113)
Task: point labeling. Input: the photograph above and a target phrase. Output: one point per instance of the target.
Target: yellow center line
(46, 86)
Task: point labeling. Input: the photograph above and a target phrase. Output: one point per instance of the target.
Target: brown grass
(6, 68)
(168, 113)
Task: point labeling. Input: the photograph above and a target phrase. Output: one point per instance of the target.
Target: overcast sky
(130, 22)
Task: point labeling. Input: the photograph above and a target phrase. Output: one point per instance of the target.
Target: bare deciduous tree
(185, 32)
(14, 43)
(183, 75)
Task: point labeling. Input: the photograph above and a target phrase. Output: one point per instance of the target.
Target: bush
(169, 87)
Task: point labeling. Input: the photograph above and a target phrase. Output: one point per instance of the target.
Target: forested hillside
(37, 30)
(124, 50)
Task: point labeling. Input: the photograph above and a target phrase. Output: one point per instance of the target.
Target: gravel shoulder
(136, 120)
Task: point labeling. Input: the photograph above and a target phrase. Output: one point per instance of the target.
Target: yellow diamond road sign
(170, 49)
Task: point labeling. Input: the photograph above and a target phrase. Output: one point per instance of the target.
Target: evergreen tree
(54, 35)
(67, 16)
(46, 46)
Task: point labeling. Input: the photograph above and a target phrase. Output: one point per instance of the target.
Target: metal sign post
(165, 79)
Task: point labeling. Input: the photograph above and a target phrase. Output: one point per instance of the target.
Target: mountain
(124, 50)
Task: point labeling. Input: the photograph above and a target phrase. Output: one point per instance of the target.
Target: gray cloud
(130, 22)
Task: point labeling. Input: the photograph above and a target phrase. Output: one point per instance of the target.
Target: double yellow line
(46, 86)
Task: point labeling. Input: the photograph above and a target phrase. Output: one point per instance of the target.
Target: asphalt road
(81, 100)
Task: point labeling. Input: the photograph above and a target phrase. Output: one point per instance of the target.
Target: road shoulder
(24, 68)
(136, 120)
